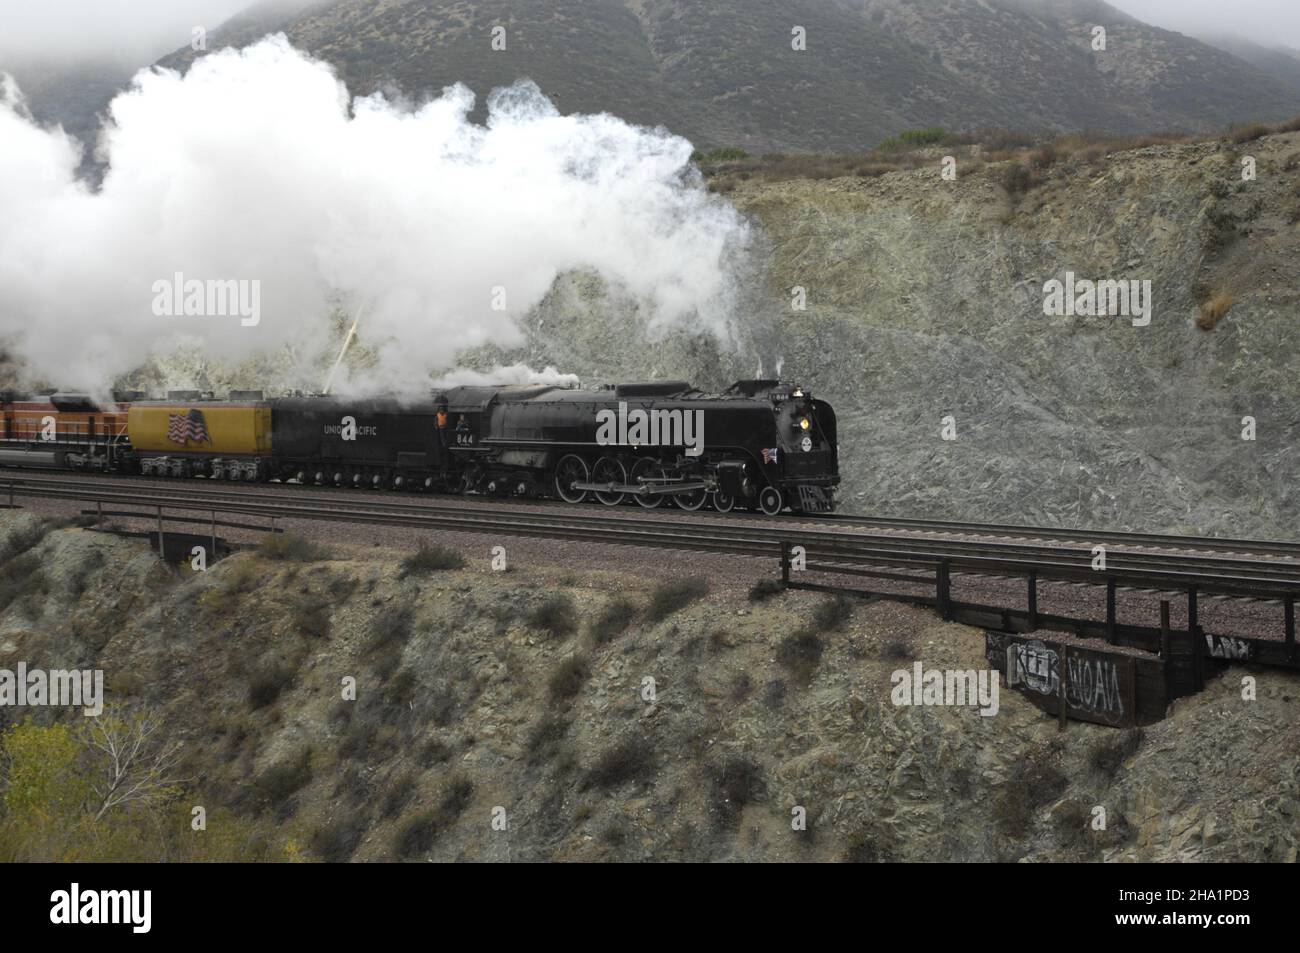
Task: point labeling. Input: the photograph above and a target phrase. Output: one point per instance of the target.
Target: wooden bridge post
(943, 594)
(785, 563)
(1033, 602)
(1062, 677)
(1289, 607)
(161, 541)
(1164, 630)
(1110, 610)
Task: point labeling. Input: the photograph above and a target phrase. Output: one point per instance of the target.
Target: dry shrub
(1214, 311)
(1250, 133)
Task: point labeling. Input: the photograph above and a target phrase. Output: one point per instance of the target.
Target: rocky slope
(469, 699)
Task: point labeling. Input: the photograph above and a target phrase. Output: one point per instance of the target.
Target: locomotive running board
(642, 489)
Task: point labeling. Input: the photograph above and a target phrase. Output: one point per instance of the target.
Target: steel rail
(1182, 571)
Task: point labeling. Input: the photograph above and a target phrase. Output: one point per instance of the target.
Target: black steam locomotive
(761, 445)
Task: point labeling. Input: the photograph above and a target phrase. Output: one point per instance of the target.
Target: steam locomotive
(762, 444)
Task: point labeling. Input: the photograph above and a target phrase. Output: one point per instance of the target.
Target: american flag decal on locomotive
(770, 454)
(182, 428)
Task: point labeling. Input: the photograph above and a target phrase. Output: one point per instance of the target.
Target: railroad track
(869, 549)
(1050, 559)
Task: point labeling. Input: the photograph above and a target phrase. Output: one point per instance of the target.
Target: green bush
(915, 139)
(765, 589)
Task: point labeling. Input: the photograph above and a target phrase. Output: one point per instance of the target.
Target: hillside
(512, 696)
(724, 73)
(1282, 63)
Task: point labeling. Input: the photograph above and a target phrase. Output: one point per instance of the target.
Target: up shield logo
(133, 908)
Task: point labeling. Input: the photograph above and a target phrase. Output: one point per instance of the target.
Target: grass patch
(670, 597)
(431, 558)
(555, 615)
(897, 649)
(22, 577)
(612, 621)
(765, 589)
(801, 653)
(1107, 756)
(285, 547)
(416, 835)
(569, 677)
(627, 760)
(398, 796)
(832, 614)
(545, 737)
(267, 686)
(737, 782)
(392, 629)
(278, 783)
(1035, 782)
(336, 842)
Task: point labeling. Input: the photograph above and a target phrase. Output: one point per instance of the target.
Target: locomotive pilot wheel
(770, 500)
(691, 499)
(570, 470)
(723, 502)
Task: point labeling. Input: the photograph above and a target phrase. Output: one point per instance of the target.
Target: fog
(1267, 22)
(129, 31)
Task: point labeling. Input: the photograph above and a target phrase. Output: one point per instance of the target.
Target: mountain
(724, 73)
(1280, 62)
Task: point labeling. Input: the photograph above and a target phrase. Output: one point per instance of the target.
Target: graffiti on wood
(1096, 684)
(1227, 647)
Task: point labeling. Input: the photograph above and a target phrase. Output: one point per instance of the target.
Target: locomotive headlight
(804, 423)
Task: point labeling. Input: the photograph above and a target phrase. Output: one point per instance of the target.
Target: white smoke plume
(511, 374)
(256, 166)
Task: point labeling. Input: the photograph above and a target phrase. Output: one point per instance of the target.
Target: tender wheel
(646, 467)
(723, 502)
(691, 500)
(609, 470)
(570, 470)
(770, 500)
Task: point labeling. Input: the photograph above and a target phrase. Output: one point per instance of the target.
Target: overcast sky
(141, 30)
(1270, 22)
(134, 30)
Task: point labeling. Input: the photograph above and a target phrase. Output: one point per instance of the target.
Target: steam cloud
(256, 166)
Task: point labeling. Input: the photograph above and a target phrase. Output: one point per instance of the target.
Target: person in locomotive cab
(442, 424)
(462, 429)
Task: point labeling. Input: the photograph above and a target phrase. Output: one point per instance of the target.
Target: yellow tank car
(211, 429)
